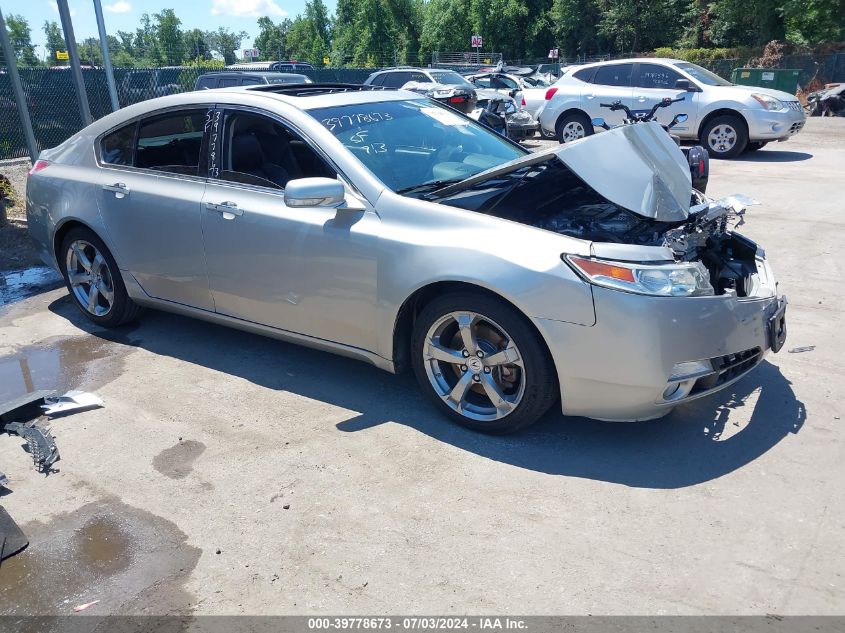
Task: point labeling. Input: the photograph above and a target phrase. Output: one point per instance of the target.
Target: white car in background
(727, 119)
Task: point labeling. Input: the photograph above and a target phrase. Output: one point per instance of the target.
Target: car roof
(301, 96)
(249, 73)
(634, 60)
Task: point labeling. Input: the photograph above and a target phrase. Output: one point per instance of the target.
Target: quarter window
(613, 75)
(656, 76)
(585, 74)
(116, 148)
(171, 142)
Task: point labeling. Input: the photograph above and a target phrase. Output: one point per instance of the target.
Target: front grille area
(728, 368)
(795, 105)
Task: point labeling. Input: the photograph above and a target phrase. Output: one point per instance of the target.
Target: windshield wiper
(432, 185)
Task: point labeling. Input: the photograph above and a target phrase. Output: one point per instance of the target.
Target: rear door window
(171, 142)
(395, 80)
(613, 75)
(227, 82)
(206, 83)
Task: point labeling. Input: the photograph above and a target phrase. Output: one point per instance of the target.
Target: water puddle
(20, 284)
(105, 551)
(59, 364)
(177, 462)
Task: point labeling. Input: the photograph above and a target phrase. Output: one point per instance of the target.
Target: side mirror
(314, 192)
(679, 118)
(599, 122)
(684, 84)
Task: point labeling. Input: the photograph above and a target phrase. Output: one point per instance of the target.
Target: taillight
(523, 102)
(37, 166)
(456, 99)
(700, 167)
(550, 93)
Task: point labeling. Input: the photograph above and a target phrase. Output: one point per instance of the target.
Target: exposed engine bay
(550, 196)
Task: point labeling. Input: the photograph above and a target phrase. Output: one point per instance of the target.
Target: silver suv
(727, 119)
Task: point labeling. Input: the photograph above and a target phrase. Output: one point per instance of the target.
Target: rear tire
(573, 126)
(725, 136)
(93, 279)
(481, 363)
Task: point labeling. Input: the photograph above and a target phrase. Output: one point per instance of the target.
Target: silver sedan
(381, 225)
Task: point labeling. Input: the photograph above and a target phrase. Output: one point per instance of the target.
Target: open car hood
(637, 167)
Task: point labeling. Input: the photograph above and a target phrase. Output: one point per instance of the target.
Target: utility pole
(20, 97)
(76, 70)
(104, 44)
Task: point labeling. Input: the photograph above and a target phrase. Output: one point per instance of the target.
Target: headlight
(770, 103)
(688, 279)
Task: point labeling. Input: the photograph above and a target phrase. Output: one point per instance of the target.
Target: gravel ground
(16, 250)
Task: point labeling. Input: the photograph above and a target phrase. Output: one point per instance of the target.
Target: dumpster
(785, 79)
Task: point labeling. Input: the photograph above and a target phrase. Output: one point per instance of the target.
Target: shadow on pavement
(700, 441)
(773, 156)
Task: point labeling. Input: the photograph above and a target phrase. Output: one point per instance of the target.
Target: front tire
(573, 126)
(93, 279)
(481, 363)
(725, 136)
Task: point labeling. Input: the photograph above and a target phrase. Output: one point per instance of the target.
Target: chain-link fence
(53, 108)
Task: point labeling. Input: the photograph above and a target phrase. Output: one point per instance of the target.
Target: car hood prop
(637, 167)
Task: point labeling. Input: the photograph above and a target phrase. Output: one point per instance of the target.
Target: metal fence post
(79, 82)
(20, 97)
(104, 44)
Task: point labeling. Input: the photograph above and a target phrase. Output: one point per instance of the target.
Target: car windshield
(416, 145)
(702, 74)
(449, 77)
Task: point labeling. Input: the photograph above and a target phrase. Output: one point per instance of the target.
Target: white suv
(727, 119)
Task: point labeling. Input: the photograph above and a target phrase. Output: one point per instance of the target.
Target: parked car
(230, 78)
(140, 85)
(285, 66)
(525, 90)
(446, 86)
(387, 227)
(725, 118)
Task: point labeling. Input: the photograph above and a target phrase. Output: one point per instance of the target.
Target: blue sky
(124, 15)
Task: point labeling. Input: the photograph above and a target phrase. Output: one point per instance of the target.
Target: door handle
(225, 208)
(118, 188)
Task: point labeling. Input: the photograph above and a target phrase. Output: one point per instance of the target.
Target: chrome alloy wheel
(90, 278)
(722, 138)
(474, 366)
(572, 131)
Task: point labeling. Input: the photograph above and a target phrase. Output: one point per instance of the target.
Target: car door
(150, 190)
(308, 270)
(655, 82)
(610, 83)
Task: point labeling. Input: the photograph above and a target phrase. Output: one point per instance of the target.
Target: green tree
(169, 41)
(195, 45)
(574, 26)
(55, 42)
(90, 52)
(272, 38)
(144, 42)
(641, 25)
(20, 35)
(225, 42)
(310, 35)
(447, 26)
(811, 22)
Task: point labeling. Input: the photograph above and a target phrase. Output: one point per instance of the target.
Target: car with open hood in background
(382, 225)
(725, 118)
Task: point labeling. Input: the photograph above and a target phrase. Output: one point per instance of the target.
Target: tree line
(383, 32)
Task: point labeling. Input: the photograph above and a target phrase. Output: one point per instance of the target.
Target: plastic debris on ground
(70, 402)
(806, 348)
(12, 538)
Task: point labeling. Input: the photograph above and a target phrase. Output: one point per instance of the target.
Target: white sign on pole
(554, 53)
(251, 52)
(477, 42)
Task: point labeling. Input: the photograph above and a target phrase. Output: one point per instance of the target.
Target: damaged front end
(628, 192)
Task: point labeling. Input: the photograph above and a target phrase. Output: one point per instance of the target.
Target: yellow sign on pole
(62, 55)
(326, 61)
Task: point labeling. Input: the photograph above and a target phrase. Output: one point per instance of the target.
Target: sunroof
(312, 90)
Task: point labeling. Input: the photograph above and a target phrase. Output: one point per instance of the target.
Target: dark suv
(229, 78)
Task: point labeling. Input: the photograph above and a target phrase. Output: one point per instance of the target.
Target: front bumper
(764, 125)
(620, 368)
(521, 125)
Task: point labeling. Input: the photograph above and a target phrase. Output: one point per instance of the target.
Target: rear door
(655, 82)
(149, 195)
(610, 83)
